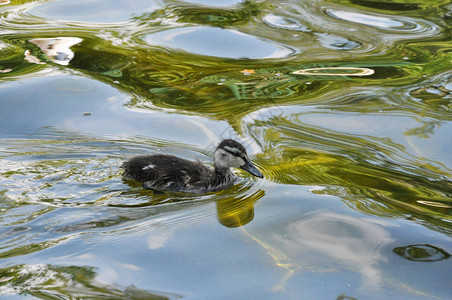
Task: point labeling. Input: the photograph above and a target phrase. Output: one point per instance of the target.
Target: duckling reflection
(168, 173)
(237, 211)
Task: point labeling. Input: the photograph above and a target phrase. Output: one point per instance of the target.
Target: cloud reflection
(350, 242)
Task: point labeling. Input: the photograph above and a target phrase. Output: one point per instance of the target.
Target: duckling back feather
(171, 173)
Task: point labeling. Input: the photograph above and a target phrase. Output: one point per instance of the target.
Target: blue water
(344, 107)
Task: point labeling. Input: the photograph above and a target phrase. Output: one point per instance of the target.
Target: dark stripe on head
(230, 145)
(232, 153)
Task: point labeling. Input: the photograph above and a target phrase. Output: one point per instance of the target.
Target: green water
(356, 199)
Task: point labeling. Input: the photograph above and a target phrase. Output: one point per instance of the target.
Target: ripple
(258, 83)
(58, 174)
(247, 76)
(335, 42)
(160, 77)
(435, 204)
(218, 42)
(366, 157)
(283, 23)
(398, 24)
(336, 71)
(215, 3)
(327, 40)
(435, 95)
(425, 253)
(26, 279)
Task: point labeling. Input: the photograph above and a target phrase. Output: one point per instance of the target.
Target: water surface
(357, 192)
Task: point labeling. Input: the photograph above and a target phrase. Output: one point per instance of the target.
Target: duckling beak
(249, 167)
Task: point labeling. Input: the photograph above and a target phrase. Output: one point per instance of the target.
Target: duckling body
(161, 172)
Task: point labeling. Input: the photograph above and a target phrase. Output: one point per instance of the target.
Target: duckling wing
(167, 173)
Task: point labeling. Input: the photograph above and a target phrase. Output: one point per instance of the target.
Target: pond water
(344, 106)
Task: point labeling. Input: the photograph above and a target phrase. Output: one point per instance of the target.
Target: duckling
(163, 173)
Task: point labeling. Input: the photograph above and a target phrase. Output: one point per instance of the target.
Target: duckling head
(232, 154)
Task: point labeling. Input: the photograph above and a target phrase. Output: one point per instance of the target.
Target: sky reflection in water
(356, 197)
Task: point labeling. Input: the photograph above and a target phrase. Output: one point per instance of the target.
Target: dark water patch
(214, 16)
(100, 56)
(390, 6)
(215, 3)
